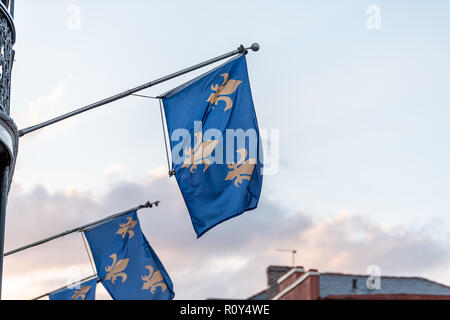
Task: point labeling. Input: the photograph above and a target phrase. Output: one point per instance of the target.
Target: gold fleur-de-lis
(226, 88)
(153, 281)
(198, 155)
(125, 228)
(116, 269)
(241, 170)
(81, 294)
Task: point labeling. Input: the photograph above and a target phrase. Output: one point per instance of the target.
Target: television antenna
(292, 251)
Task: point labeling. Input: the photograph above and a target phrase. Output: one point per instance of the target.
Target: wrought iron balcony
(7, 39)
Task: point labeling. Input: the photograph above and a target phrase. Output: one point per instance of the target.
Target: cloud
(48, 106)
(351, 242)
(228, 262)
(42, 107)
(114, 172)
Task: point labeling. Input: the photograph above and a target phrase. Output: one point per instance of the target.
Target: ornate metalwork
(6, 61)
(8, 130)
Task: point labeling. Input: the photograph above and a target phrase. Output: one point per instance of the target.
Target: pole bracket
(242, 50)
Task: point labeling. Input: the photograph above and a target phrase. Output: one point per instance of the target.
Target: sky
(362, 115)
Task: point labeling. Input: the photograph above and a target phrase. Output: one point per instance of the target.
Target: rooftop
(341, 284)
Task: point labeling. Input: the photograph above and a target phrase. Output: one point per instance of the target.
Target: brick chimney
(273, 274)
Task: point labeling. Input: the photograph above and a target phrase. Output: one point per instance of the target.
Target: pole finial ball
(255, 47)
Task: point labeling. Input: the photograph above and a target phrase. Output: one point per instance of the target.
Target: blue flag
(83, 291)
(126, 264)
(215, 144)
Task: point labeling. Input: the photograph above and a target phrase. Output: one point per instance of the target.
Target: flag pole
(4, 199)
(255, 47)
(82, 228)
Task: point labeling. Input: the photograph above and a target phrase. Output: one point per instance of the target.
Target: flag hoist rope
(255, 47)
(171, 171)
(88, 252)
(83, 228)
(163, 123)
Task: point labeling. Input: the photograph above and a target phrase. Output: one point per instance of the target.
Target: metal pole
(241, 49)
(4, 200)
(82, 228)
(11, 8)
(294, 252)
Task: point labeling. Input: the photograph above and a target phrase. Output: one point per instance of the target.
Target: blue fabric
(84, 291)
(220, 99)
(126, 264)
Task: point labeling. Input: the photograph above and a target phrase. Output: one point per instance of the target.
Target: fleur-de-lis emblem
(226, 88)
(116, 269)
(125, 228)
(199, 154)
(153, 281)
(241, 170)
(81, 294)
